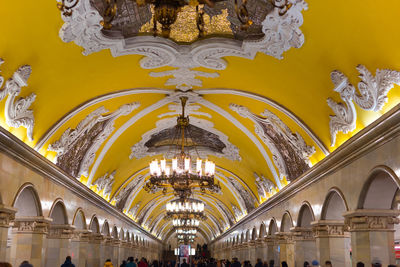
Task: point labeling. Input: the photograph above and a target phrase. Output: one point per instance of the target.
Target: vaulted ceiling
(266, 118)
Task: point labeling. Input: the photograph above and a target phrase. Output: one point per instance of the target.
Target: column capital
(284, 237)
(61, 231)
(38, 224)
(96, 238)
(329, 228)
(7, 214)
(371, 220)
(82, 235)
(301, 233)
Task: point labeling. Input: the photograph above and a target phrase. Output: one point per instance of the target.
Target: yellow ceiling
(338, 35)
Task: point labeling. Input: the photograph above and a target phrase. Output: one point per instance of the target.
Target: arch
(114, 232)
(105, 230)
(79, 220)
(128, 236)
(27, 202)
(94, 225)
(122, 235)
(286, 222)
(272, 227)
(306, 216)
(58, 213)
(262, 231)
(381, 179)
(254, 233)
(334, 205)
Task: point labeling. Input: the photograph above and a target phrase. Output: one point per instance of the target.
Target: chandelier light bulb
(174, 165)
(187, 164)
(163, 165)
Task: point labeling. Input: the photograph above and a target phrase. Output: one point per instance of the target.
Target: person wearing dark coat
(68, 262)
(259, 263)
(184, 264)
(236, 263)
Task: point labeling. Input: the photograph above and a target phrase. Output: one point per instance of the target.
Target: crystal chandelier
(186, 231)
(186, 210)
(179, 174)
(185, 222)
(165, 12)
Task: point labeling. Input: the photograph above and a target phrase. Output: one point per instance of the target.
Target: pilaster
(333, 242)
(58, 244)
(372, 235)
(305, 246)
(7, 214)
(285, 247)
(29, 240)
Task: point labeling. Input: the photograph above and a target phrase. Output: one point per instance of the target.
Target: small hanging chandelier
(186, 231)
(179, 174)
(185, 222)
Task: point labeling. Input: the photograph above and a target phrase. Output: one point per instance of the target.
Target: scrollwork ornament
(17, 112)
(372, 96)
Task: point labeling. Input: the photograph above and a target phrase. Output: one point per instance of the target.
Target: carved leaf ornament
(372, 96)
(17, 112)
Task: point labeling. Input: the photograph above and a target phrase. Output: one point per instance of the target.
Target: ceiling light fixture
(179, 174)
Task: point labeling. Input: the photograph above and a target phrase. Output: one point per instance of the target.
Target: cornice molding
(376, 134)
(16, 149)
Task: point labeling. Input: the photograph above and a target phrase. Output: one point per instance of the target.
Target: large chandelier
(186, 210)
(179, 173)
(165, 12)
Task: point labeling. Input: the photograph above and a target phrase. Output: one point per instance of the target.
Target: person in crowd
(391, 265)
(284, 264)
(315, 263)
(143, 263)
(235, 263)
(306, 264)
(108, 263)
(123, 264)
(184, 264)
(5, 264)
(26, 264)
(328, 264)
(259, 263)
(68, 262)
(271, 263)
(155, 263)
(360, 264)
(227, 263)
(265, 264)
(131, 262)
(376, 263)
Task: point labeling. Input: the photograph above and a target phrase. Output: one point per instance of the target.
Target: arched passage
(286, 222)
(27, 202)
(334, 206)
(58, 213)
(306, 216)
(79, 220)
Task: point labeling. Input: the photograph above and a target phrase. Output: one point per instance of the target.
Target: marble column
(58, 244)
(251, 247)
(304, 245)
(116, 245)
(94, 258)
(372, 235)
(286, 248)
(106, 249)
(29, 240)
(261, 249)
(7, 214)
(80, 247)
(333, 242)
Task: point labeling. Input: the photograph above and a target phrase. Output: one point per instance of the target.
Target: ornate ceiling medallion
(275, 30)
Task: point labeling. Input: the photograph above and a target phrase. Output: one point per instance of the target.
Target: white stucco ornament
(372, 96)
(17, 112)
